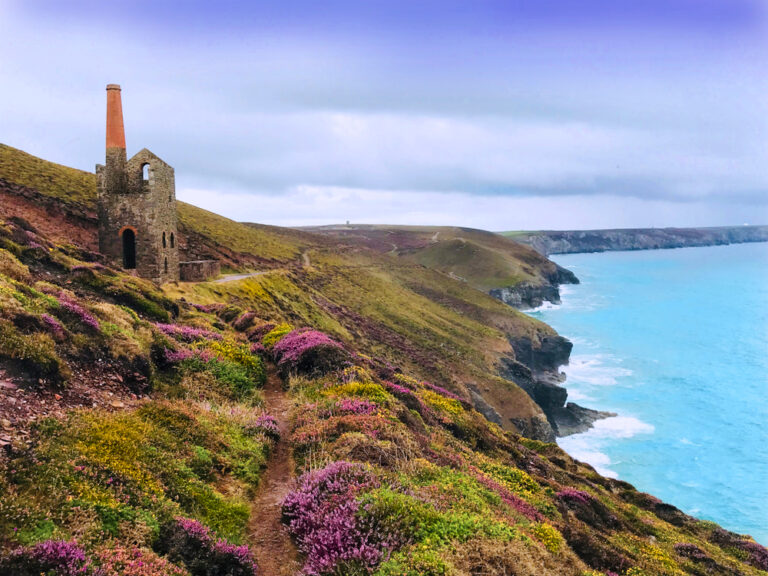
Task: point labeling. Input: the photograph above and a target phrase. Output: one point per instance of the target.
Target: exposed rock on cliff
(525, 295)
(536, 370)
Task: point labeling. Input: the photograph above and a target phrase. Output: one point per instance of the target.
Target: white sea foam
(594, 370)
(565, 291)
(587, 446)
(544, 306)
(620, 427)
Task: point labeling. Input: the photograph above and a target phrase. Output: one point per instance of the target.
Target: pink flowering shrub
(258, 332)
(77, 312)
(309, 352)
(135, 562)
(183, 354)
(187, 333)
(322, 514)
(244, 321)
(757, 555)
(356, 406)
(690, 551)
(194, 545)
(412, 401)
(50, 558)
(373, 426)
(207, 308)
(588, 509)
(53, 325)
(268, 424)
(573, 496)
(177, 356)
(443, 392)
(258, 348)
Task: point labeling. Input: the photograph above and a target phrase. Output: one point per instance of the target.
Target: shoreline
(552, 242)
(593, 419)
(666, 413)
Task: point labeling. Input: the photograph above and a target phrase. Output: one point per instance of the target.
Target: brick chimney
(114, 173)
(115, 129)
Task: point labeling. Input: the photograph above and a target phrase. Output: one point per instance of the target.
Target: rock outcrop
(536, 369)
(526, 295)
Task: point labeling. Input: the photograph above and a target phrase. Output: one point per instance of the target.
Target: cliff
(332, 415)
(548, 242)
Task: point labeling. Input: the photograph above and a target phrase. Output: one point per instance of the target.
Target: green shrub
(419, 562)
(103, 474)
(36, 353)
(276, 334)
(421, 522)
(201, 463)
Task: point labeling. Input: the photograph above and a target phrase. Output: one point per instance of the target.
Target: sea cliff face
(526, 295)
(536, 369)
(573, 241)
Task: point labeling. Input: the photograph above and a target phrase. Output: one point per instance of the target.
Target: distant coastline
(548, 242)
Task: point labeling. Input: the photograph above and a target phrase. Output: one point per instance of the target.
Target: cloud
(462, 110)
(315, 206)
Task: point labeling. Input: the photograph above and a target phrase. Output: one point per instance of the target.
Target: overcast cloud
(502, 115)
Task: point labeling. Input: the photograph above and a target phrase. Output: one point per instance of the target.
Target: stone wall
(199, 270)
(147, 207)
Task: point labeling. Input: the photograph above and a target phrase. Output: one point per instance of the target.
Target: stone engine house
(136, 204)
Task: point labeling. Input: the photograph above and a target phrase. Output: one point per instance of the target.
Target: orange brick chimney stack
(115, 178)
(115, 129)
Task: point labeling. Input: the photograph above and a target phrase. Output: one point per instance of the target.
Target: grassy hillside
(482, 259)
(148, 431)
(419, 317)
(67, 185)
(154, 421)
(265, 242)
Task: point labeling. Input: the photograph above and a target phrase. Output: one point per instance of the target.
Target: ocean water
(676, 343)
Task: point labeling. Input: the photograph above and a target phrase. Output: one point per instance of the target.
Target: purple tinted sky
(503, 115)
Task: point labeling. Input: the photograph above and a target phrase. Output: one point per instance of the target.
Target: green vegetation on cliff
(135, 427)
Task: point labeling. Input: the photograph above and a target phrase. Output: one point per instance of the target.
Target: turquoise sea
(676, 343)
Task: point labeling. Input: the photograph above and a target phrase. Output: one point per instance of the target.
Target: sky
(504, 115)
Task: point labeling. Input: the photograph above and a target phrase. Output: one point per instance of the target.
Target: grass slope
(68, 185)
(482, 259)
(397, 475)
(395, 307)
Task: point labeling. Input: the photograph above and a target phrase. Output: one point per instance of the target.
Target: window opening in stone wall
(164, 244)
(165, 266)
(129, 249)
(173, 241)
(145, 172)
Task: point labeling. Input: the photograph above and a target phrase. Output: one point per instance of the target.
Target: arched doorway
(129, 249)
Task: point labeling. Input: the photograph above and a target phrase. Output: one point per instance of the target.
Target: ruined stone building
(136, 204)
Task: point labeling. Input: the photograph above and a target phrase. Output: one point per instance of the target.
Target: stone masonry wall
(148, 207)
(199, 270)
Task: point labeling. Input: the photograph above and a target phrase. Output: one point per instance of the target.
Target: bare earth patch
(23, 402)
